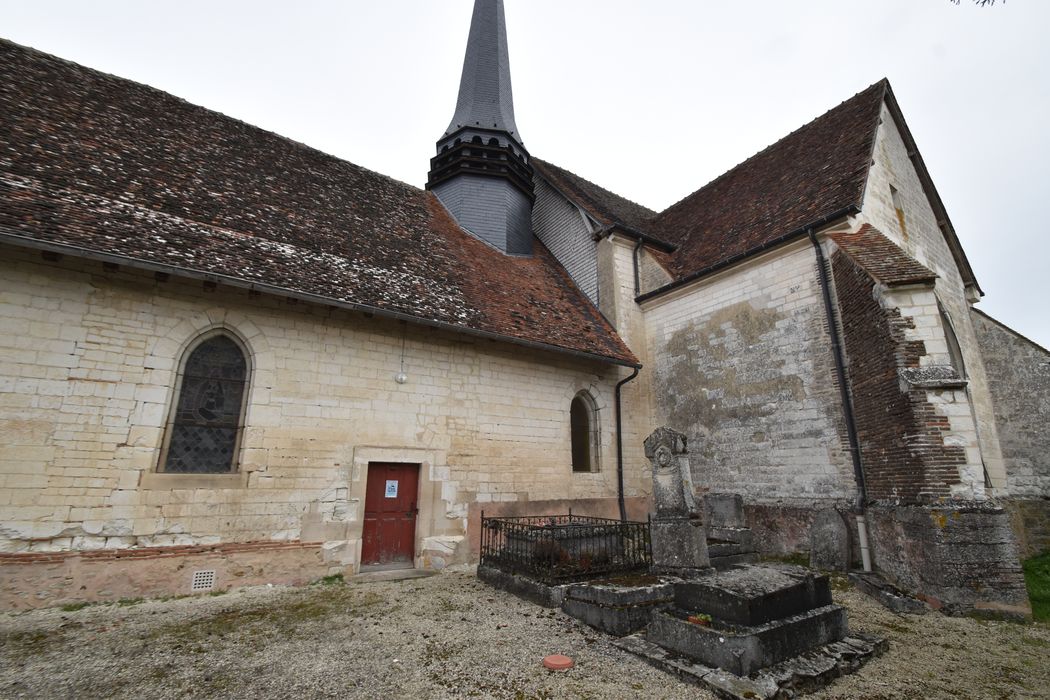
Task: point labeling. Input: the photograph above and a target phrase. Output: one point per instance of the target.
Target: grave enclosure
(682, 590)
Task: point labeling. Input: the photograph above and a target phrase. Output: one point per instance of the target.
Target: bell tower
(481, 172)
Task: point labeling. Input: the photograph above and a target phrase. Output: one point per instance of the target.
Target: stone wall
(742, 364)
(903, 435)
(38, 580)
(915, 229)
(88, 356)
(1019, 376)
(958, 557)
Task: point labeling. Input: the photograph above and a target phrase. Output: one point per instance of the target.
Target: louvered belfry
(481, 172)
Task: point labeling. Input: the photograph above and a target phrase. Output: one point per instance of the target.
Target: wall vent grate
(203, 581)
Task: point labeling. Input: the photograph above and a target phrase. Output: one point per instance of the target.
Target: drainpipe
(847, 403)
(637, 273)
(619, 445)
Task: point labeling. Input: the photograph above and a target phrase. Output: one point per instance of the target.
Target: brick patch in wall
(30, 580)
(901, 433)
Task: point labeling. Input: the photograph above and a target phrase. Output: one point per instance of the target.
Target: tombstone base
(679, 546)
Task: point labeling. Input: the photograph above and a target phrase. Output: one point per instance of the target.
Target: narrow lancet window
(204, 428)
(583, 423)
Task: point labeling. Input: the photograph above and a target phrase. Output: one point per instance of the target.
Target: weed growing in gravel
(796, 558)
(333, 580)
(30, 642)
(274, 619)
(73, 607)
(1037, 578)
(128, 602)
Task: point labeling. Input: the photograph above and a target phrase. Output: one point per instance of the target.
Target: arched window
(205, 422)
(583, 421)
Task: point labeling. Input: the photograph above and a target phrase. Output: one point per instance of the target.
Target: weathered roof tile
(98, 163)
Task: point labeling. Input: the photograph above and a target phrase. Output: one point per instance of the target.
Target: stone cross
(672, 478)
(679, 538)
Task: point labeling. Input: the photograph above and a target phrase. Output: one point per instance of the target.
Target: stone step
(803, 674)
(754, 594)
(736, 535)
(744, 650)
(618, 606)
(725, 562)
(718, 548)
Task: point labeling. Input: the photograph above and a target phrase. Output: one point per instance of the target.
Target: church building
(229, 359)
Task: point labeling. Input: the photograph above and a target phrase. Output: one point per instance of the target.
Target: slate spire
(485, 97)
(481, 172)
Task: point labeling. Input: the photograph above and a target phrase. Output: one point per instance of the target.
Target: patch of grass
(796, 558)
(333, 580)
(216, 594)
(839, 581)
(274, 618)
(30, 642)
(73, 607)
(1037, 578)
(128, 602)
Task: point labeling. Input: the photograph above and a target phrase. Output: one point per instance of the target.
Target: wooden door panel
(391, 496)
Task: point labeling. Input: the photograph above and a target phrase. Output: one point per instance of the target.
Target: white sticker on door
(391, 489)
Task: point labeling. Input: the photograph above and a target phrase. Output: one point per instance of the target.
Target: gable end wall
(922, 238)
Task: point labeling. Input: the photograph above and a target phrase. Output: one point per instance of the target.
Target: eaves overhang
(23, 241)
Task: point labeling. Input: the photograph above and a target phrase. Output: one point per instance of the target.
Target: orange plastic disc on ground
(557, 662)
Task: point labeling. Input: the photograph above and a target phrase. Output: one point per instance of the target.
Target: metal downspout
(637, 272)
(847, 402)
(619, 445)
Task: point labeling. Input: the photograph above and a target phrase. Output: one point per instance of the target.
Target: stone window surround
(169, 351)
(594, 431)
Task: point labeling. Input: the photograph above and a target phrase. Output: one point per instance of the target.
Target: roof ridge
(208, 110)
(881, 83)
(549, 164)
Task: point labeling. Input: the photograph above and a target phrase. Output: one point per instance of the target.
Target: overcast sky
(650, 99)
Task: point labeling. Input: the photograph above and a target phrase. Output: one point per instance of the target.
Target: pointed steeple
(481, 172)
(485, 97)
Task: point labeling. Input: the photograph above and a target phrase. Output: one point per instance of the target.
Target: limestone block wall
(616, 291)
(1019, 377)
(914, 228)
(741, 363)
(88, 356)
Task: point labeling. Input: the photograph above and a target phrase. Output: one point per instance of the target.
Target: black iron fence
(564, 548)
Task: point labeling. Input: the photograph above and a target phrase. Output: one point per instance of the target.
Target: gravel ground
(447, 636)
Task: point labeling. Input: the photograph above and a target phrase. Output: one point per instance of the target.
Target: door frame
(419, 490)
(432, 472)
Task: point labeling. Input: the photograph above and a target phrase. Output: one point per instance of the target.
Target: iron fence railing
(565, 548)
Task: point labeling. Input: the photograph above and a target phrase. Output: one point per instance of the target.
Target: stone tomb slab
(803, 674)
(754, 595)
(619, 606)
(745, 650)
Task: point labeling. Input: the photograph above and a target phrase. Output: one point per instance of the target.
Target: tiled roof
(100, 164)
(882, 258)
(606, 207)
(818, 171)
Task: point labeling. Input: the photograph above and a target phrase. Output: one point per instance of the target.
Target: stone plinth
(679, 547)
(745, 650)
(618, 606)
(755, 595)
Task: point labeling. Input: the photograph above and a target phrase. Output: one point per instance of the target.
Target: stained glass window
(206, 425)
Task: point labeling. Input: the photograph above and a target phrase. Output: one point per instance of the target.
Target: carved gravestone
(829, 542)
(679, 539)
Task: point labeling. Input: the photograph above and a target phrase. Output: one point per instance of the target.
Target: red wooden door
(390, 514)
